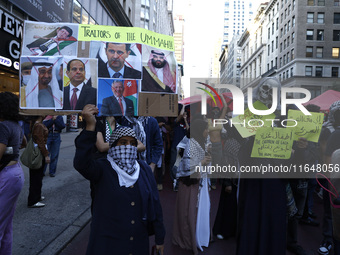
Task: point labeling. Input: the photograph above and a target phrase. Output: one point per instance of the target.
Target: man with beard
(157, 75)
(115, 66)
(42, 89)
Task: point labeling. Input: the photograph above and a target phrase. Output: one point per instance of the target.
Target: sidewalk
(49, 229)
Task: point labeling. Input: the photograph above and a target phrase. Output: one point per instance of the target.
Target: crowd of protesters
(128, 158)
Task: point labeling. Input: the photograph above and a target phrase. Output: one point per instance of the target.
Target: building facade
(299, 45)
(237, 15)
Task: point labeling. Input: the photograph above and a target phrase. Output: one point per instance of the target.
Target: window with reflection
(76, 12)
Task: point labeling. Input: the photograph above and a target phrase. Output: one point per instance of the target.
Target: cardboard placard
(158, 105)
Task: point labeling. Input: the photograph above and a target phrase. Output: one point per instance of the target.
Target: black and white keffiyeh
(138, 127)
(123, 158)
(332, 109)
(192, 157)
(121, 132)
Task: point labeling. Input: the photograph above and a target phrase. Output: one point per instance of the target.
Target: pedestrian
(11, 174)
(126, 199)
(187, 224)
(39, 135)
(55, 125)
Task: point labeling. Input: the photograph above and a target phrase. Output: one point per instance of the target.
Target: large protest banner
(116, 68)
(307, 126)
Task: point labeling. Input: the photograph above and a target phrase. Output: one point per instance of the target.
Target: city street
(67, 197)
(62, 226)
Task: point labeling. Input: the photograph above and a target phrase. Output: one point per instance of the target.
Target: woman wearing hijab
(192, 211)
(126, 201)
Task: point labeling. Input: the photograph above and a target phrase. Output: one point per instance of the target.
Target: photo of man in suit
(117, 66)
(117, 105)
(78, 93)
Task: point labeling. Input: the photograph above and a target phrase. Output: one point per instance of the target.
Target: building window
(335, 52)
(281, 32)
(277, 42)
(288, 25)
(76, 12)
(321, 17)
(310, 34)
(293, 21)
(319, 52)
(308, 71)
(272, 46)
(320, 35)
(291, 72)
(294, 4)
(336, 35)
(335, 71)
(336, 2)
(277, 23)
(84, 17)
(268, 50)
(269, 33)
(284, 44)
(310, 2)
(318, 71)
(288, 40)
(280, 62)
(336, 18)
(280, 47)
(310, 17)
(292, 54)
(284, 59)
(321, 2)
(293, 37)
(309, 52)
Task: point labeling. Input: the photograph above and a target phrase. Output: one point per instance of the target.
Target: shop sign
(46, 10)
(11, 29)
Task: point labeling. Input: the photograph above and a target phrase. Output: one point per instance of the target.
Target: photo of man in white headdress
(42, 90)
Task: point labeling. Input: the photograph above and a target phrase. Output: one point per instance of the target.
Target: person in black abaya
(261, 210)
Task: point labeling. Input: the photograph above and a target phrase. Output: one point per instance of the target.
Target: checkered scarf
(123, 160)
(138, 126)
(121, 132)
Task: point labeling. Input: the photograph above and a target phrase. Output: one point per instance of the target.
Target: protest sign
(273, 143)
(249, 123)
(119, 52)
(151, 104)
(308, 126)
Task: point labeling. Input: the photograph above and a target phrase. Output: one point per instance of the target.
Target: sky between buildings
(203, 28)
